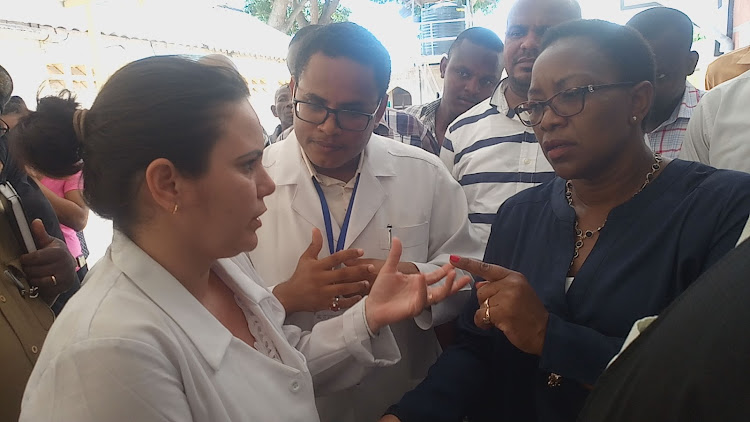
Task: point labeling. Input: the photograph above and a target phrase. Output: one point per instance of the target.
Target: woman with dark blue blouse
(571, 264)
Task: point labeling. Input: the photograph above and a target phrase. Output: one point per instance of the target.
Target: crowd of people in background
(559, 236)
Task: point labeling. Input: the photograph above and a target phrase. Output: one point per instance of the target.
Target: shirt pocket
(410, 236)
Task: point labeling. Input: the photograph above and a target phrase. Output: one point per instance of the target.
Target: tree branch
(289, 22)
(314, 11)
(328, 9)
(277, 17)
(301, 21)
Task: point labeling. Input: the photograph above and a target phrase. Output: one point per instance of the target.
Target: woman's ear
(642, 98)
(162, 182)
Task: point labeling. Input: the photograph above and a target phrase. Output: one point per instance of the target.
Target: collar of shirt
(684, 110)
(499, 101)
(330, 181)
(207, 334)
(745, 59)
(426, 113)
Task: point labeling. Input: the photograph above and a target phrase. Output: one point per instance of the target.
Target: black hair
(46, 140)
(6, 88)
(16, 104)
(653, 23)
(482, 37)
(303, 32)
(351, 41)
(626, 49)
(159, 107)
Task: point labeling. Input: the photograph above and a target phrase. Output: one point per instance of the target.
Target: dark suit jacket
(693, 362)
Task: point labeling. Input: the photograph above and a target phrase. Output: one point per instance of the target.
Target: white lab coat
(402, 186)
(134, 345)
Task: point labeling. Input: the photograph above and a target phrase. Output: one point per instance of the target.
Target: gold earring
(174, 210)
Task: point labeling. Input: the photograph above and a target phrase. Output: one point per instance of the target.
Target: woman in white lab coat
(172, 324)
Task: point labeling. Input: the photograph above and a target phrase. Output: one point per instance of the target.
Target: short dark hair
(303, 32)
(158, 107)
(482, 37)
(351, 41)
(45, 139)
(653, 23)
(16, 104)
(6, 88)
(626, 49)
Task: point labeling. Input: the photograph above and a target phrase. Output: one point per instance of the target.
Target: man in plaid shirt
(669, 32)
(471, 70)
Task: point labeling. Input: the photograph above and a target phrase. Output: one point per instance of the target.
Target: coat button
(294, 387)
(527, 161)
(34, 349)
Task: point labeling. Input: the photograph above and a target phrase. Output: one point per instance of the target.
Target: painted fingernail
(455, 259)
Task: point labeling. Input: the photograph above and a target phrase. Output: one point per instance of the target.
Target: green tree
(290, 15)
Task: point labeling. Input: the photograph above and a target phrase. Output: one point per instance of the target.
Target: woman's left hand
(514, 307)
(396, 296)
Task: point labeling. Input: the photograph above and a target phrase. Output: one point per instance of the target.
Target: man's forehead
(282, 91)
(541, 13)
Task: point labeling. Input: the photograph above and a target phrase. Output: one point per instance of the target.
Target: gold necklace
(581, 235)
(554, 380)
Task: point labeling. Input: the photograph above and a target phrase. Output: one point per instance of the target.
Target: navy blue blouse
(650, 250)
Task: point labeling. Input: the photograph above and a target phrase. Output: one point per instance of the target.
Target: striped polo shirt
(493, 156)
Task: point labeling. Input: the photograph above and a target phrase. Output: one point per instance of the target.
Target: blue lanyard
(327, 217)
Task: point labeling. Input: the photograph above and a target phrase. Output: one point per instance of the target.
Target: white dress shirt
(717, 134)
(134, 345)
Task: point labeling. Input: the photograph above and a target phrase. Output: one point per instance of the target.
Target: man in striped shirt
(490, 152)
(669, 32)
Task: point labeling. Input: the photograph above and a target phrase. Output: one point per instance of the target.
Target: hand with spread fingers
(507, 301)
(396, 296)
(403, 267)
(319, 284)
(51, 268)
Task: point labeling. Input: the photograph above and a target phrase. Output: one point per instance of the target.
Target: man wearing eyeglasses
(669, 32)
(493, 155)
(354, 192)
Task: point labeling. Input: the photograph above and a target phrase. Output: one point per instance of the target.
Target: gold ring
(486, 319)
(54, 280)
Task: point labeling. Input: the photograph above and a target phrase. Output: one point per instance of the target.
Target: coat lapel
(370, 196)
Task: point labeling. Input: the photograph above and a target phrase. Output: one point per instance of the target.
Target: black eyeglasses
(355, 121)
(565, 103)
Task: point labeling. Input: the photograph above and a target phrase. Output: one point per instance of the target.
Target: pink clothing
(60, 187)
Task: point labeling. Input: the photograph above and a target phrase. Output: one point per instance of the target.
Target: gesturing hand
(514, 307)
(396, 296)
(317, 282)
(52, 267)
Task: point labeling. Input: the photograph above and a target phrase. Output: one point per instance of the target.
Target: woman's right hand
(396, 296)
(316, 283)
